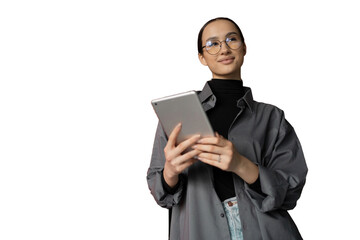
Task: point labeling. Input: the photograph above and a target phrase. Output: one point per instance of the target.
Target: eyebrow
(228, 34)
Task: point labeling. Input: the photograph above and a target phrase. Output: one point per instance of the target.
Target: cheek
(211, 63)
(241, 61)
(214, 67)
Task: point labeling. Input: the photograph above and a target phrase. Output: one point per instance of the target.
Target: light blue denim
(233, 218)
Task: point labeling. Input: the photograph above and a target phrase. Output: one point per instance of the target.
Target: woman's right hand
(175, 161)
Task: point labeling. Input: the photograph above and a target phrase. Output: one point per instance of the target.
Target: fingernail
(195, 146)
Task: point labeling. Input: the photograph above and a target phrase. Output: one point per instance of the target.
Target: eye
(211, 43)
(232, 39)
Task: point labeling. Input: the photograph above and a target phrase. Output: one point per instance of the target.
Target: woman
(240, 183)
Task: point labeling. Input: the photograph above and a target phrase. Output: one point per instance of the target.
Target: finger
(219, 141)
(208, 148)
(175, 152)
(209, 156)
(186, 157)
(187, 164)
(173, 135)
(218, 135)
(210, 162)
(186, 144)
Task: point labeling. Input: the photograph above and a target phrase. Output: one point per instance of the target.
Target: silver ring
(219, 158)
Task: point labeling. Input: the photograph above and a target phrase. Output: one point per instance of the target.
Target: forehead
(218, 29)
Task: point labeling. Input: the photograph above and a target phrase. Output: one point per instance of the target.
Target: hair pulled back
(200, 48)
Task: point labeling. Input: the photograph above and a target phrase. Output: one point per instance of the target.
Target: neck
(232, 76)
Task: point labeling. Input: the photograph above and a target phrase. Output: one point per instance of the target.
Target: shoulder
(266, 108)
(275, 117)
(272, 114)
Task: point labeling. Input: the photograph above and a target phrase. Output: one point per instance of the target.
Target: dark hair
(200, 49)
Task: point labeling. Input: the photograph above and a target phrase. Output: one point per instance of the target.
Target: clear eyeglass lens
(213, 46)
(233, 43)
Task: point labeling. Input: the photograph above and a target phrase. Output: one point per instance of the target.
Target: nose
(224, 49)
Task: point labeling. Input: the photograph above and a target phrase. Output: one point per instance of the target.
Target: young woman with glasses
(240, 183)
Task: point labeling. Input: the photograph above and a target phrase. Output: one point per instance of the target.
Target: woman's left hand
(218, 152)
(221, 153)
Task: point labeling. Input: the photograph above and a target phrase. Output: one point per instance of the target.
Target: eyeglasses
(213, 46)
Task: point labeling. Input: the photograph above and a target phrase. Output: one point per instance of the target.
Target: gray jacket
(261, 133)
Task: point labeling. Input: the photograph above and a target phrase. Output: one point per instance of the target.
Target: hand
(218, 152)
(175, 161)
(221, 153)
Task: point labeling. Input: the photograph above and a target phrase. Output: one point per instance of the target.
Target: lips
(227, 60)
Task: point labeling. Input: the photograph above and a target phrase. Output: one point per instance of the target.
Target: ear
(202, 59)
(244, 49)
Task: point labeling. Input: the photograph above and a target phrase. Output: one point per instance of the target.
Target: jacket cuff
(256, 186)
(167, 188)
(273, 190)
(161, 196)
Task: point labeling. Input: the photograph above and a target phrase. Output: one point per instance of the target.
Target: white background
(77, 127)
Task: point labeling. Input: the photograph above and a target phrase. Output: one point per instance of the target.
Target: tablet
(184, 108)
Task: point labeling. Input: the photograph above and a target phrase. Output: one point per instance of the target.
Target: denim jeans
(232, 214)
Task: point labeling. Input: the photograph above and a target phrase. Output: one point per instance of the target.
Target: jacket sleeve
(163, 197)
(282, 174)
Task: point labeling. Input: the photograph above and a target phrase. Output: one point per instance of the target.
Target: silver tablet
(184, 108)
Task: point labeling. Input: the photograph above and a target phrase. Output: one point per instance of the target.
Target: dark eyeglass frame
(228, 39)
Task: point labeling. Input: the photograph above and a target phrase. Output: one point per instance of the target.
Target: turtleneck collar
(226, 86)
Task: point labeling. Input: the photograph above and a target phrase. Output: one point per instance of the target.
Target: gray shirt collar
(208, 99)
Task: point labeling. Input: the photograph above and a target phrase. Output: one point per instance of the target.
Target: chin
(229, 74)
(227, 71)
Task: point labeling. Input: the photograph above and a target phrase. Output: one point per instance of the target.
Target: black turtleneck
(227, 92)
